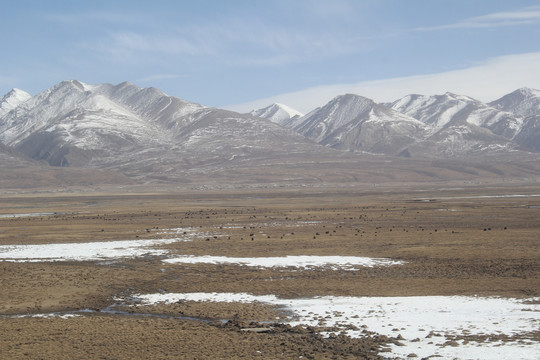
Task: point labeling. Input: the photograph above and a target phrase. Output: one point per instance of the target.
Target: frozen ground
(455, 327)
(449, 327)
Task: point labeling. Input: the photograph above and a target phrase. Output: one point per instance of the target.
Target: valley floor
(291, 273)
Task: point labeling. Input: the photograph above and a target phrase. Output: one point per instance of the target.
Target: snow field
(92, 251)
(302, 261)
(451, 327)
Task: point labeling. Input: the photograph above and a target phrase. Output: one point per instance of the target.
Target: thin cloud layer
(233, 52)
(524, 16)
(486, 81)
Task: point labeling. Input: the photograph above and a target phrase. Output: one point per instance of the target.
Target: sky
(242, 55)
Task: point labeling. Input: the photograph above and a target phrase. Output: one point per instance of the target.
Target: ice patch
(451, 327)
(301, 261)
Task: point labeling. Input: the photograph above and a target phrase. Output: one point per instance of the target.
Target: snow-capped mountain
(443, 111)
(522, 102)
(123, 133)
(459, 125)
(446, 125)
(12, 99)
(278, 113)
(355, 123)
(134, 130)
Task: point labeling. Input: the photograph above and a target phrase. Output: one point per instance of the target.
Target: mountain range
(141, 135)
(437, 126)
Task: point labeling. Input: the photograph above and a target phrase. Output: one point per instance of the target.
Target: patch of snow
(481, 197)
(89, 251)
(49, 316)
(448, 114)
(431, 326)
(169, 298)
(277, 113)
(26, 215)
(303, 261)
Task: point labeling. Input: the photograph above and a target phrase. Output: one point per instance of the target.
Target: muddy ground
(459, 241)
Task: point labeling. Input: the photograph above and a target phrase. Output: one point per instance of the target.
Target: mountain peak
(278, 113)
(355, 123)
(12, 99)
(522, 102)
(18, 92)
(528, 91)
(458, 97)
(351, 97)
(139, 131)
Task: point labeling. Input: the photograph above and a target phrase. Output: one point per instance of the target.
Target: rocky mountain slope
(20, 172)
(458, 125)
(522, 102)
(529, 135)
(126, 134)
(138, 131)
(354, 123)
(438, 126)
(447, 110)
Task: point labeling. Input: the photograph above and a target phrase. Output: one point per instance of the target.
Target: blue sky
(244, 54)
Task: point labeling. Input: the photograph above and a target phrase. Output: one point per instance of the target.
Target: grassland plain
(452, 241)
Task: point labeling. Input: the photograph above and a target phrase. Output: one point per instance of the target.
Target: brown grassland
(454, 241)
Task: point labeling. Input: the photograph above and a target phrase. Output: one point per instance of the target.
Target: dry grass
(453, 242)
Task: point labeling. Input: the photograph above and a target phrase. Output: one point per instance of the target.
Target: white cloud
(233, 41)
(485, 81)
(130, 43)
(519, 17)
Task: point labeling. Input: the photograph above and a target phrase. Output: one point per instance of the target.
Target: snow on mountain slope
(459, 125)
(149, 103)
(355, 123)
(461, 141)
(137, 131)
(278, 113)
(144, 107)
(529, 136)
(150, 136)
(11, 100)
(72, 122)
(440, 111)
(523, 102)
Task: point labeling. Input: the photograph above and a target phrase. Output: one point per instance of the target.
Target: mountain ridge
(355, 123)
(150, 137)
(12, 99)
(126, 127)
(453, 125)
(278, 113)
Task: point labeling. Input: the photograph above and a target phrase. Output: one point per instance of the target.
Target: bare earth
(454, 241)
